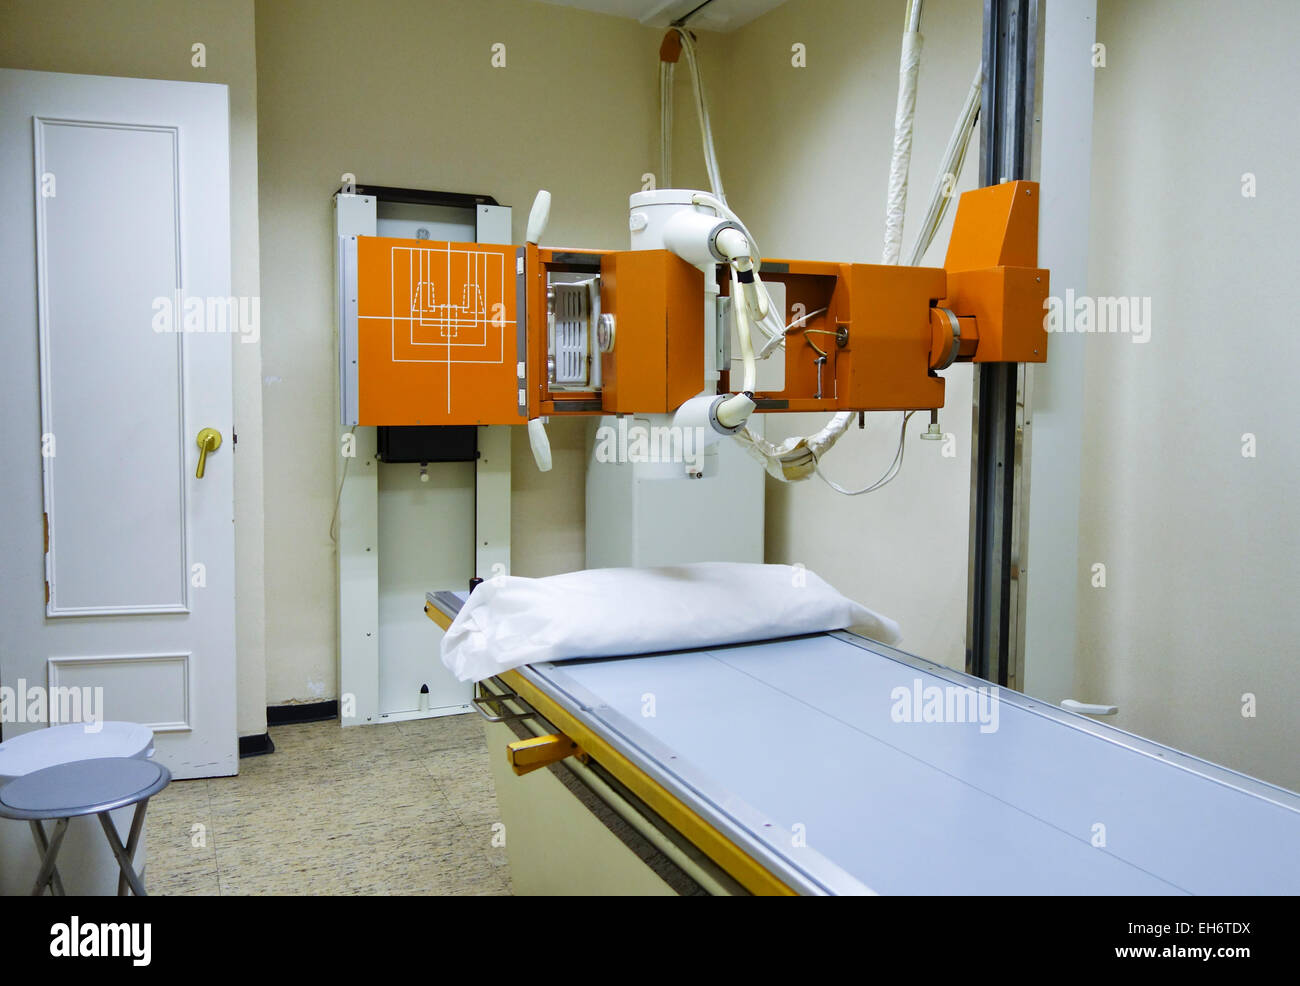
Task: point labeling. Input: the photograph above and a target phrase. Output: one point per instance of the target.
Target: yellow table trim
(743, 868)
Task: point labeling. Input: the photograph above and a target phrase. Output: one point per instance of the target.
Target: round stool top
(42, 748)
(83, 787)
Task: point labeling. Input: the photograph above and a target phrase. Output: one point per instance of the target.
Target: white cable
(338, 497)
(702, 111)
(804, 319)
(890, 473)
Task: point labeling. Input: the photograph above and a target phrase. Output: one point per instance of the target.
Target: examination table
(783, 767)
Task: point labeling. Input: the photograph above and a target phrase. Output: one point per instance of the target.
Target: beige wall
(403, 93)
(151, 39)
(804, 155)
(1200, 544)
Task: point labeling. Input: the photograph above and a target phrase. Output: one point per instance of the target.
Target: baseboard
(255, 746)
(283, 715)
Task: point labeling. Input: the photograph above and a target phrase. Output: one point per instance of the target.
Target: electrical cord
(804, 319)
(890, 473)
(800, 325)
(338, 497)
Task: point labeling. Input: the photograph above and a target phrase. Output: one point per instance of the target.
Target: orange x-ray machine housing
(466, 333)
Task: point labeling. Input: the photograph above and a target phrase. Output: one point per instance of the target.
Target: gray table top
(82, 787)
(794, 749)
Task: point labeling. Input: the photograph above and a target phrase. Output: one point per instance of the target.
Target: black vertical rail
(1006, 133)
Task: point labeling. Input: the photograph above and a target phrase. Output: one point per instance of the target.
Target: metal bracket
(722, 336)
(484, 701)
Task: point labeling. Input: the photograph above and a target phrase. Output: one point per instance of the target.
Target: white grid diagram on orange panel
(449, 302)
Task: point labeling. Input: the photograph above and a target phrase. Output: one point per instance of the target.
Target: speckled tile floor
(400, 808)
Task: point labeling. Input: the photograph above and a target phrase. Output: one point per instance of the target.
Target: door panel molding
(160, 682)
(152, 600)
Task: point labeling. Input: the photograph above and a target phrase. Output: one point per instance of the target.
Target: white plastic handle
(538, 217)
(1086, 709)
(540, 443)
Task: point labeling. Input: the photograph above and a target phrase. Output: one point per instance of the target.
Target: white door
(117, 562)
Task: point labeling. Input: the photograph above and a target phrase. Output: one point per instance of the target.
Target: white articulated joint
(702, 240)
(711, 415)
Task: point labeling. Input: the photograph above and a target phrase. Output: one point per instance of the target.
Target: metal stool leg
(132, 841)
(126, 854)
(49, 872)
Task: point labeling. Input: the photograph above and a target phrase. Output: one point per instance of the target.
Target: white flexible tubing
(900, 163)
(796, 458)
(736, 409)
(540, 444)
(538, 216)
(950, 167)
(746, 345)
(666, 124)
(764, 316)
(734, 245)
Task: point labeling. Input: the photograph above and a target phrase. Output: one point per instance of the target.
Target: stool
(84, 787)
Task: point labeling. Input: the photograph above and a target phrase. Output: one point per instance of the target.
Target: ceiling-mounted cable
(942, 193)
(702, 113)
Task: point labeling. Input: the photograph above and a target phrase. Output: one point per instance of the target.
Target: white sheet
(510, 621)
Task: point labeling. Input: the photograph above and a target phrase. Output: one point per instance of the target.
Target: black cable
(681, 21)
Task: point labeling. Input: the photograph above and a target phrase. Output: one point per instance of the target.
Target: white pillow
(509, 620)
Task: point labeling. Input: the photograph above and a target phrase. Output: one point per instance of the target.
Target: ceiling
(716, 15)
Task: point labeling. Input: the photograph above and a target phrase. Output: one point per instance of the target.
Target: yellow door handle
(209, 440)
